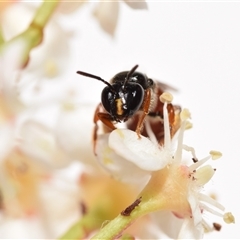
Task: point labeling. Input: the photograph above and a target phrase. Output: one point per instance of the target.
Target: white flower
(9, 97)
(49, 59)
(69, 6)
(9, 76)
(173, 185)
(56, 207)
(38, 142)
(107, 13)
(73, 131)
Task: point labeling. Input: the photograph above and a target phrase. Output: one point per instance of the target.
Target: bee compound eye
(108, 97)
(134, 97)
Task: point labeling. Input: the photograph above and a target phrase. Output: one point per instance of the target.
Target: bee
(132, 97)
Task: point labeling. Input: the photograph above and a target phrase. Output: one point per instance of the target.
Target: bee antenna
(130, 73)
(96, 77)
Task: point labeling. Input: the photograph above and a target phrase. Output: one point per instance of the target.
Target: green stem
(89, 222)
(33, 36)
(82, 228)
(44, 13)
(114, 228)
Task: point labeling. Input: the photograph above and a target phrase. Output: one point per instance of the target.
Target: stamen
(228, 218)
(166, 98)
(190, 149)
(178, 153)
(215, 154)
(188, 125)
(217, 226)
(167, 137)
(194, 166)
(185, 114)
(204, 174)
(150, 133)
(206, 226)
(209, 200)
(205, 207)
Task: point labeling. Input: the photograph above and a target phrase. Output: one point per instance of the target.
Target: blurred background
(191, 46)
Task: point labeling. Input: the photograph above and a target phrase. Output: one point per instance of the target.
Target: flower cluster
(173, 185)
(51, 183)
(44, 130)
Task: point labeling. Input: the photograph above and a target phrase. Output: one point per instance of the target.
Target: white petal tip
(141, 152)
(140, 4)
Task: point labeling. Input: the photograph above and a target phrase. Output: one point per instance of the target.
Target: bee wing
(164, 86)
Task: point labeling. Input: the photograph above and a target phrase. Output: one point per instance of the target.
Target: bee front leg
(145, 109)
(95, 130)
(105, 118)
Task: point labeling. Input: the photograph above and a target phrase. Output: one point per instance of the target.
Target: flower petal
(69, 6)
(118, 166)
(9, 75)
(204, 174)
(140, 4)
(142, 152)
(190, 231)
(196, 212)
(168, 224)
(74, 131)
(107, 15)
(38, 142)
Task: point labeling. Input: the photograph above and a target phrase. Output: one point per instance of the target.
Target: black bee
(131, 94)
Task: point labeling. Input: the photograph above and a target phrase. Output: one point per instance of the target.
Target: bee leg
(156, 114)
(95, 130)
(146, 106)
(173, 112)
(103, 117)
(107, 120)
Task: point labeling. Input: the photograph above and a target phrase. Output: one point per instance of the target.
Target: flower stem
(44, 13)
(33, 36)
(82, 228)
(113, 229)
